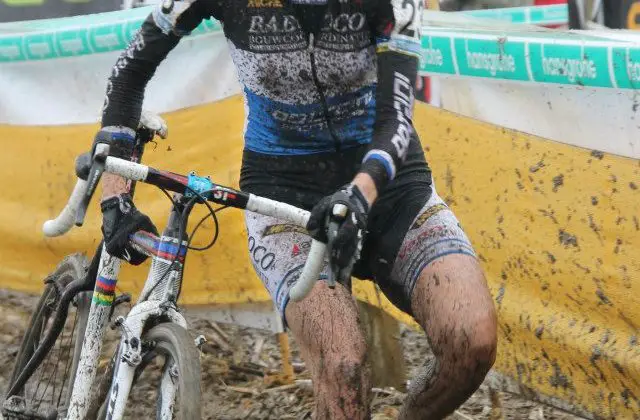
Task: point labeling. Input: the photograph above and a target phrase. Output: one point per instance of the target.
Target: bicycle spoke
(35, 343)
(55, 371)
(45, 368)
(69, 358)
(52, 377)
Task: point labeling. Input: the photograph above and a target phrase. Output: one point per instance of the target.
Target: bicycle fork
(129, 357)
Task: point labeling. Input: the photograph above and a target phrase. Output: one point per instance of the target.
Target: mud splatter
(549, 214)
(558, 181)
(550, 257)
(500, 295)
(537, 166)
(603, 298)
(221, 385)
(597, 154)
(618, 367)
(539, 331)
(567, 239)
(559, 379)
(633, 185)
(449, 178)
(625, 394)
(582, 267)
(596, 355)
(616, 250)
(594, 227)
(594, 200)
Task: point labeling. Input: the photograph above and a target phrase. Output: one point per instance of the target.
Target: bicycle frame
(157, 300)
(160, 292)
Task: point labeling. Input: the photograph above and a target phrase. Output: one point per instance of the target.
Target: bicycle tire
(71, 268)
(174, 342)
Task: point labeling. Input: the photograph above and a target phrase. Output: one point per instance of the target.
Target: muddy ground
(238, 367)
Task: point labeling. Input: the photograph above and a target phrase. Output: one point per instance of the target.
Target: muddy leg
(326, 326)
(452, 303)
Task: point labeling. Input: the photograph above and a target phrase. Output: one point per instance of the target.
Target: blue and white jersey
(318, 75)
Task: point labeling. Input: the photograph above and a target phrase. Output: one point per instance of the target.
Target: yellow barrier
(558, 231)
(556, 227)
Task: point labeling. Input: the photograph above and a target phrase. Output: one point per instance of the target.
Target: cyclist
(329, 88)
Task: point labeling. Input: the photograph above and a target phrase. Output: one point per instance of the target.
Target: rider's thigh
(325, 325)
(278, 251)
(440, 276)
(452, 301)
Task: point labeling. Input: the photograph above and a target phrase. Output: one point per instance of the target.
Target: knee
(482, 355)
(347, 366)
(480, 349)
(466, 353)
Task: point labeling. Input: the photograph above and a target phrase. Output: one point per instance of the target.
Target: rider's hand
(345, 244)
(121, 218)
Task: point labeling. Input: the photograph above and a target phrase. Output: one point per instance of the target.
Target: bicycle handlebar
(65, 220)
(261, 205)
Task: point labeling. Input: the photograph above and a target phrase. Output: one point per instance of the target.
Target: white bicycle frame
(129, 352)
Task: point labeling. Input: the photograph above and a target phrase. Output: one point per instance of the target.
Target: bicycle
(154, 325)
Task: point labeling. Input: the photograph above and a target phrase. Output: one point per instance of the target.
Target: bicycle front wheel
(175, 385)
(47, 392)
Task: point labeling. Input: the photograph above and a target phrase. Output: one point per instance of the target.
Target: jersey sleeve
(396, 25)
(160, 33)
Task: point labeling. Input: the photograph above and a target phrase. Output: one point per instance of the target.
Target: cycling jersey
(318, 76)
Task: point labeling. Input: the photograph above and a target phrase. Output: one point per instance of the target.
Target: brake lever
(93, 179)
(338, 214)
(332, 231)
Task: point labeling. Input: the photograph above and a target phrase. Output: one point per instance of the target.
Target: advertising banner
(20, 10)
(55, 71)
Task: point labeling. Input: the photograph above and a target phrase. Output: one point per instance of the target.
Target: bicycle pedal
(15, 408)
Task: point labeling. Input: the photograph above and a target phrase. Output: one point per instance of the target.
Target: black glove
(121, 218)
(344, 231)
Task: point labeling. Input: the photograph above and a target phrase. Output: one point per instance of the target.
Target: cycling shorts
(409, 226)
